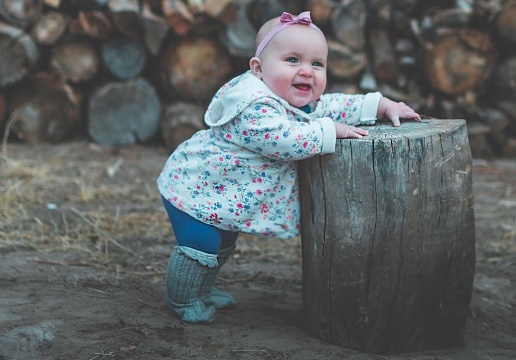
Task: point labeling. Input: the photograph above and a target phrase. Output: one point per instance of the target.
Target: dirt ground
(84, 244)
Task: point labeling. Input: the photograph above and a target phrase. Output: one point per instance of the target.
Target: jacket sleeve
(350, 109)
(267, 129)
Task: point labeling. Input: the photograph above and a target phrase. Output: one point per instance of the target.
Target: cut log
(20, 13)
(224, 11)
(344, 62)
(155, 28)
(75, 59)
(385, 66)
(52, 3)
(460, 61)
(348, 24)
(262, 11)
(179, 122)
(178, 16)
(124, 113)
(49, 28)
(43, 110)
(239, 36)
(19, 54)
(388, 238)
(506, 22)
(126, 18)
(320, 11)
(93, 24)
(195, 68)
(504, 88)
(124, 58)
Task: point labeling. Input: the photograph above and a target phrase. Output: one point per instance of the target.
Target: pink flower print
(247, 223)
(215, 218)
(245, 133)
(240, 206)
(305, 144)
(267, 136)
(264, 111)
(229, 137)
(343, 114)
(265, 208)
(259, 192)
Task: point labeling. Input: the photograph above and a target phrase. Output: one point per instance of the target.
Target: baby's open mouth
(304, 87)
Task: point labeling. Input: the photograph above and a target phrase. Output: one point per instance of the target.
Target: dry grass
(99, 206)
(88, 208)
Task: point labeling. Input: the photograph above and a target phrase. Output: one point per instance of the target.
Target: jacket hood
(233, 97)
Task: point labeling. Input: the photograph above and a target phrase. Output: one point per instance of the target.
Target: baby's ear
(256, 67)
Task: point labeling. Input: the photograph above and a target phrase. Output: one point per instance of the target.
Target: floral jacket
(241, 173)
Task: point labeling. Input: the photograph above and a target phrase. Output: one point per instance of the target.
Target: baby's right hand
(349, 132)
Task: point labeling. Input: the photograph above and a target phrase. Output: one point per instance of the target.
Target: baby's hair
(264, 30)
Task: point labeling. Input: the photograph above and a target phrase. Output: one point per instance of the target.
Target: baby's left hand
(396, 110)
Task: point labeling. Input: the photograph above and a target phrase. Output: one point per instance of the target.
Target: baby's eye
(292, 60)
(317, 64)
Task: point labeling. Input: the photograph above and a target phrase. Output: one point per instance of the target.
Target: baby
(240, 175)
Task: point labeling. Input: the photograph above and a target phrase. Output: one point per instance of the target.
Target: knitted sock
(209, 293)
(187, 271)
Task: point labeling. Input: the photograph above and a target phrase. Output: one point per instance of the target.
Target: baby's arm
(394, 110)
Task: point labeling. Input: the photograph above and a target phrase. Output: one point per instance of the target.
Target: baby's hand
(345, 131)
(394, 110)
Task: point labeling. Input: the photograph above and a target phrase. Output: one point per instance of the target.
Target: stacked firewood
(135, 71)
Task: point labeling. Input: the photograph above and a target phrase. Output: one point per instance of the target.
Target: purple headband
(286, 20)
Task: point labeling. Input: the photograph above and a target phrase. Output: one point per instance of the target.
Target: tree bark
(124, 113)
(388, 238)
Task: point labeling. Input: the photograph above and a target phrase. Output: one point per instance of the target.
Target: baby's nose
(306, 70)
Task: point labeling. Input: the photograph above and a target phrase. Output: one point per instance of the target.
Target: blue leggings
(195, 234)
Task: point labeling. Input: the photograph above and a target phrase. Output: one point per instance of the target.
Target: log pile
(121, 71)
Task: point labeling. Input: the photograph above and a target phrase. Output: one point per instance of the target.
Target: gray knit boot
(188, 269)
(210, 295)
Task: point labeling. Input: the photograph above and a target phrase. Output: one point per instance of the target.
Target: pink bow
(303, 18)
(286, 20)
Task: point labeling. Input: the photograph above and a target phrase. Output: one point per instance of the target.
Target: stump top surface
(411, 129)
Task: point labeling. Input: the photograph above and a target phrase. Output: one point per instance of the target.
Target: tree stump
(388, 238)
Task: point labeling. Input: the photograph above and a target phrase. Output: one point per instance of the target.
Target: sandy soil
(84, 245)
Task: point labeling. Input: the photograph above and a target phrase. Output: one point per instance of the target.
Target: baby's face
(293, 64)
